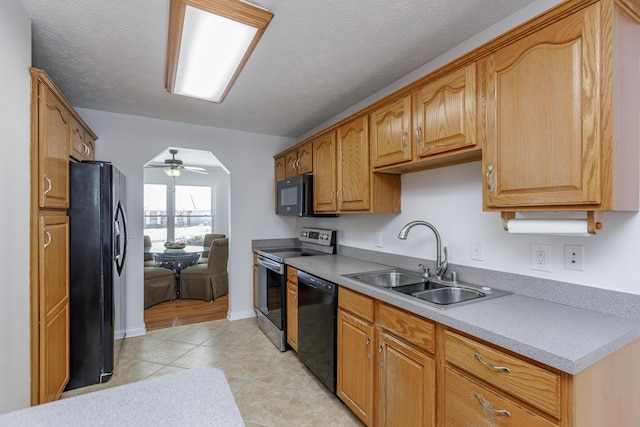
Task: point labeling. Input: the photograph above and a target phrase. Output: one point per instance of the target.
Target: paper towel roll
(567, 227)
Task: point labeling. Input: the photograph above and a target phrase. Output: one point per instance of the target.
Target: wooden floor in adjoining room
(185, 312)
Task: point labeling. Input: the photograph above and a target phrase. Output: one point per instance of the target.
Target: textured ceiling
(316, 59)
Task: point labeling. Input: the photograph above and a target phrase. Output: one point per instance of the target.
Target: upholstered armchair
(208, 238)
(148, 258)
(207, 281)
(159, 285)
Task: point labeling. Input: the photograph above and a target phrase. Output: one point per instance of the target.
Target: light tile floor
(271, 388)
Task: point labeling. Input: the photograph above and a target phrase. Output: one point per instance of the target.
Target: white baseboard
(238, 315)
(137, 332)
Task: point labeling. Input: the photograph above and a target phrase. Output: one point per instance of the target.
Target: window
(177, 213)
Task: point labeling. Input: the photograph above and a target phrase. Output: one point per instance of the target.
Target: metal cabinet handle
(86, 150)
(497, 368)
(404, 139)
(366, 348)
(332, 198)
(490, 408)
(338, 194)
(48, 238)
(380, 361)
(296, 164)
(49, 184)
(488, 178)
(418, 132)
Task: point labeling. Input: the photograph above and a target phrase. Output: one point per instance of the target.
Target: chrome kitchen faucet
(441, 265)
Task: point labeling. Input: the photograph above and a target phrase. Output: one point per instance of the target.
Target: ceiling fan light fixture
(173, 172)
(209, 43)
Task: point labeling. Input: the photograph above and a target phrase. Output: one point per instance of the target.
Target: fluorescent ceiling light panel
(209, 43)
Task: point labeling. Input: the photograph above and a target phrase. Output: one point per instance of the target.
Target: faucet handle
(425, 270)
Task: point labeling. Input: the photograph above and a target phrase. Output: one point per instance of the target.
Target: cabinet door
(305, 158)
(53, 150)
(291, 162)
(406, 385)
(445, 113)
(280, 168)
(543, 147)
(77, 145)
(90, 147)
(292, 315)
(391, 133)
(355, 365)
(53, 307)
(324, 175)
(354, 175)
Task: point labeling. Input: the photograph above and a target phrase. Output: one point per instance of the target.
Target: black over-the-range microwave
(295, 197)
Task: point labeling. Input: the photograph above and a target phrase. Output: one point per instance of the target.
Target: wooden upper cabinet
(299, 161)
(559, 109)
(391, 133)
(354, 174)
(445, 113)
(82, 143)
(325, 175)
(280, 168)
(53, 129)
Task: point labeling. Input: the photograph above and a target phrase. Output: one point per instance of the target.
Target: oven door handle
(271, 265)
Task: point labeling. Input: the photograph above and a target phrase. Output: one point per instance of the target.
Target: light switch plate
(477, 250)
(378, 239)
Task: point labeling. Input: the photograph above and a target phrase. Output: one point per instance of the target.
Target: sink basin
(388, 278)
(448, 295)
(439, 293)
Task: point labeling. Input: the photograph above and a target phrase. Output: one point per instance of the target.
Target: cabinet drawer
(292, 274)
(411, 328)
(467, 403)
(358, 304)
(534, 385)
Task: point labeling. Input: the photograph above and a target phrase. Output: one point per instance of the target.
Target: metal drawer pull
(366, 348)
(381, 362)
(497, 368)
(46, 178)
(488, 178)
(418, 132)
(48, 238)
(404, 139)
(487, 406)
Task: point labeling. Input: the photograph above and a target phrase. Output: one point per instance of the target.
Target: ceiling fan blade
(155, 166)
(196, 170)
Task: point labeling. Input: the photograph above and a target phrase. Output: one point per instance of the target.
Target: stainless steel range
(272, 279)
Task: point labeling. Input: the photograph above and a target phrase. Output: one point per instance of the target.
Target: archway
(186, 198)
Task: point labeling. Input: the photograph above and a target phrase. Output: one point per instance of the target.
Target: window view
(177, 213)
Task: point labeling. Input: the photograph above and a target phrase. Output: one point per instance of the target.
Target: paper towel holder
(594, 220)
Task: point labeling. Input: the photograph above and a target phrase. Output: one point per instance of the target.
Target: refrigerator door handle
(120, 218)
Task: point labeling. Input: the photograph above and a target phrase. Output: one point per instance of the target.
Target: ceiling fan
(174, 167)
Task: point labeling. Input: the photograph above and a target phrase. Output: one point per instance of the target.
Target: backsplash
(613, 303)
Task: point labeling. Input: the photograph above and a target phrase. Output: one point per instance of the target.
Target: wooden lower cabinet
(396, 368)
(355, 365)
(467, 403)
(292, 307)
(406, 386)
(53, 310)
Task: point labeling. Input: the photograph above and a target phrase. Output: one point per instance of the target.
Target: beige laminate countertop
(564, 337)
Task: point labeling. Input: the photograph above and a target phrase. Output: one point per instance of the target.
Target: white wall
(15, 48)
(129, 142)
(451, 199)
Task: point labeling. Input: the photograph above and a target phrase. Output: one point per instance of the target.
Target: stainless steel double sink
(436, 292)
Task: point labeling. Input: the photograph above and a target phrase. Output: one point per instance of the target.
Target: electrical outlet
(540, 257)
(378, 239)
(477, 250)
(574, 257)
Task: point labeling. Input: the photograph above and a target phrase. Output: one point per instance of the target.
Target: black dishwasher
(317, 308)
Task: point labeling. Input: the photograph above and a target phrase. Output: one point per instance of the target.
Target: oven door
(271, 291)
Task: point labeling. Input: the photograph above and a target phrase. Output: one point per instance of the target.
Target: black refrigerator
(97, 254)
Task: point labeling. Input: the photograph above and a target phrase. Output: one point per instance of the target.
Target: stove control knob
(304, 233)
